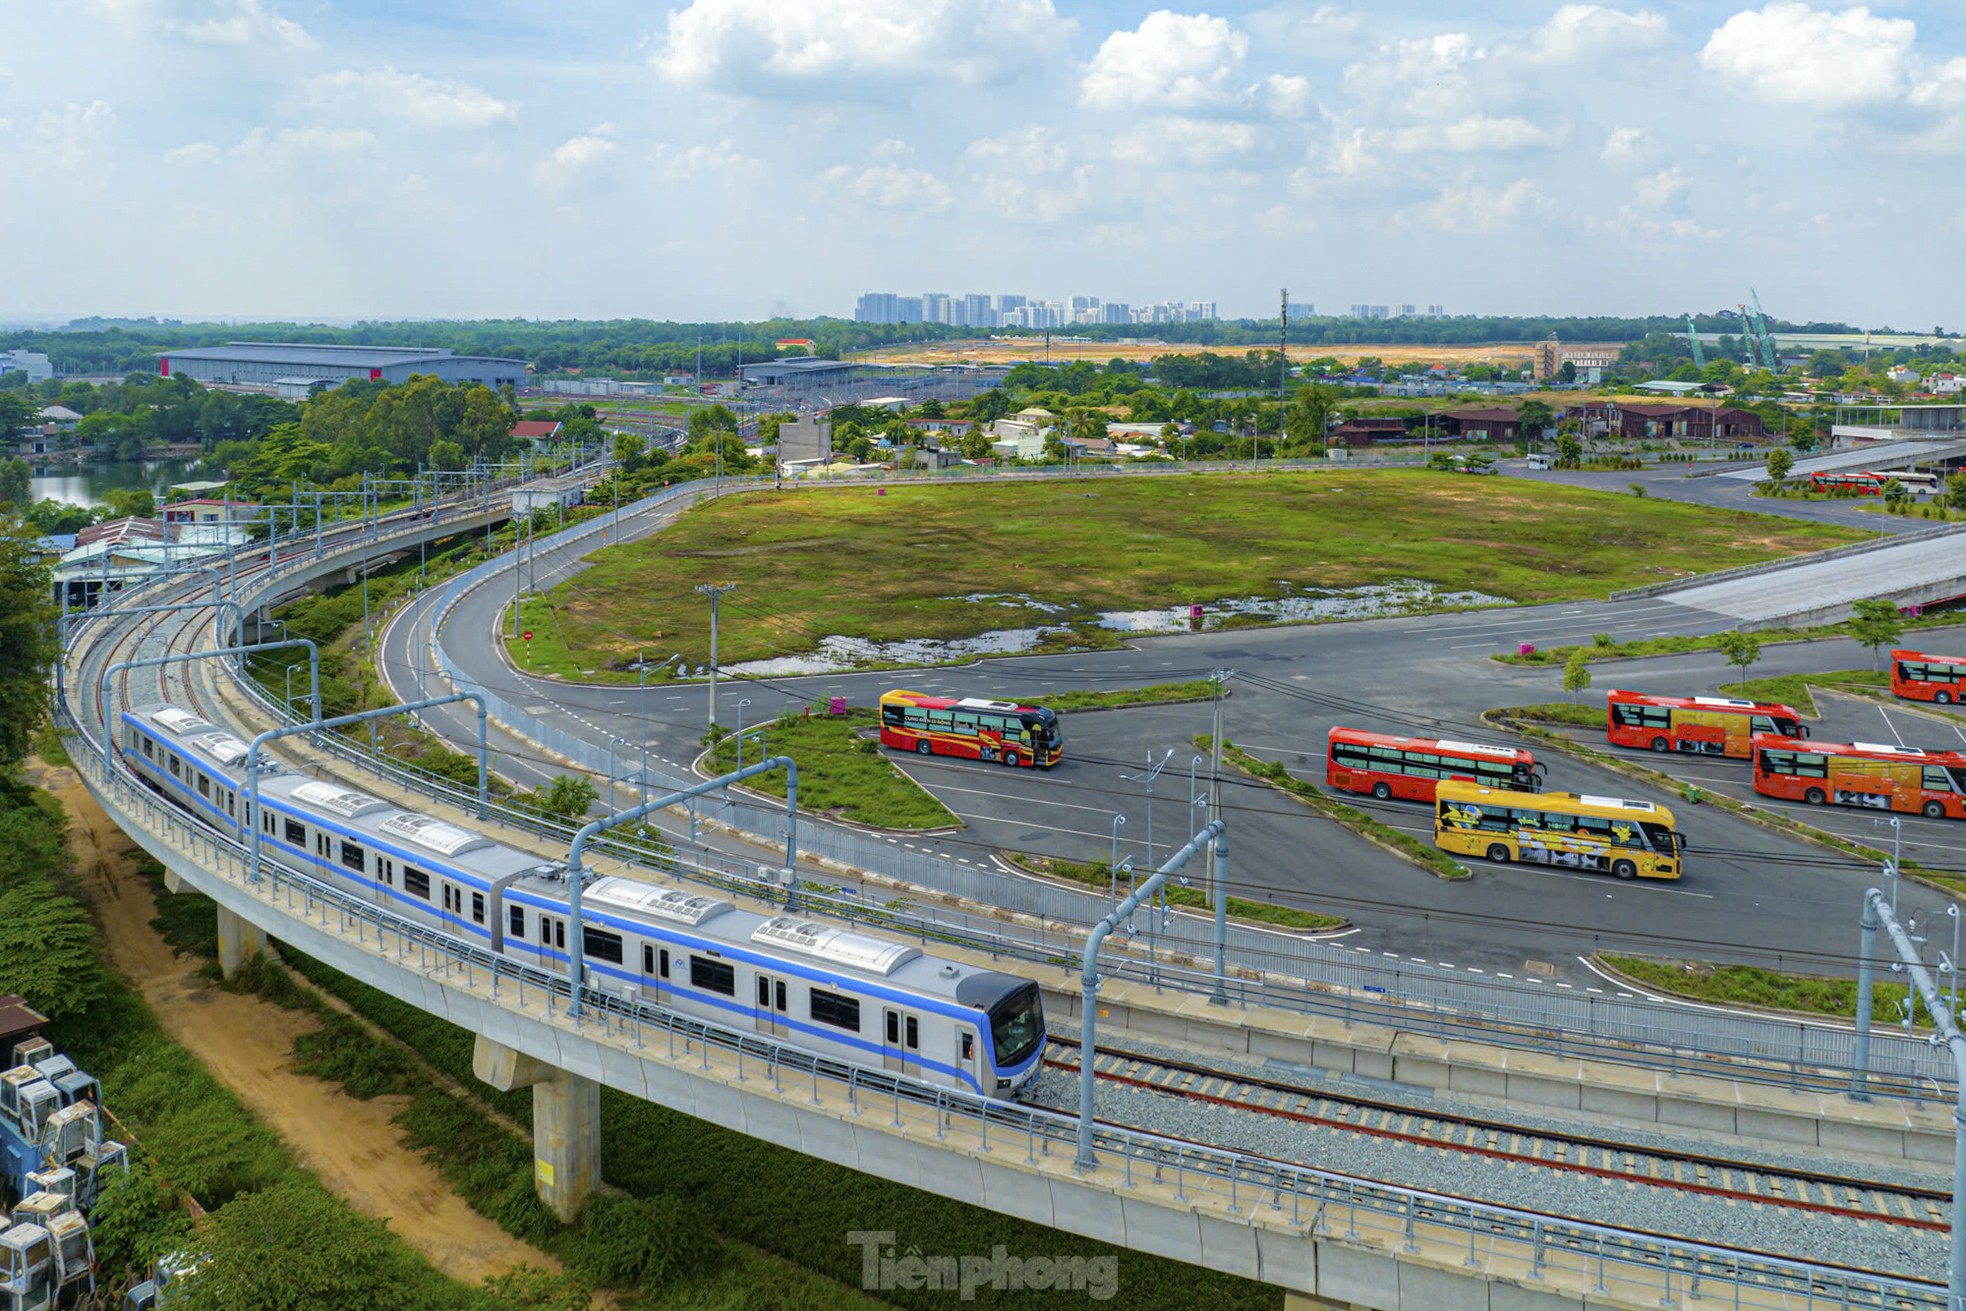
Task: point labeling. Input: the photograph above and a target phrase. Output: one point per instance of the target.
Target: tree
(1896, 494)
(629, 450)
(16, 478)
(567, 797)
(707, 419)
(1780, 462)
(129, 502)
(1308, 416)
(1956, 491)
(447, 455)
(1876, 624)
(1741, 649)
(15, 414)
(48, 951)
(1577, 672)
(1532, 421)
(1570, 449)
(976, 443)
(27, 639)
(295, 1247)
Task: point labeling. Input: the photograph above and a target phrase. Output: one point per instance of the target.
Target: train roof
(199, 736)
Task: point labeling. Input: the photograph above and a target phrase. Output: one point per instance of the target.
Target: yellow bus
(1631, 839)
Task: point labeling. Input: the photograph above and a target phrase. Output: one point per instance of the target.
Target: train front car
(1015, 1011)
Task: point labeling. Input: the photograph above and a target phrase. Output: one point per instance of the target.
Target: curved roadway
(1749, 894)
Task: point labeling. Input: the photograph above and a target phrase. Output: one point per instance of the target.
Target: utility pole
(1221, 679)
(1283, 358)
(715, 592)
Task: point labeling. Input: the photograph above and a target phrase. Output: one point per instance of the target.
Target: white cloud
(889, 186)
(1663, 190)
(1943, 88)
(1189, 141)
(1171, 61)
(1473, 208)
(1623, 143)
(854, 48)
(1287, 96)
(1580, 32)
(72, 132)
(304, 140)
(1423, 75)
(192, 153)
(1788, 53)
(1032, 148)
(673, 165)
(580, 151)
(1475, 134)
(412, 98)
(1026, 175)
(249, 22)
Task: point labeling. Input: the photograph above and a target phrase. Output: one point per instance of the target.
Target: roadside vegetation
(1604, 647)
(946, 562)
(1752, 986)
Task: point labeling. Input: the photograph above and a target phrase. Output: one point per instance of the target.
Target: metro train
(839, 994)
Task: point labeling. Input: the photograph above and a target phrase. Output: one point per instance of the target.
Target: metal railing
(1319, 1203)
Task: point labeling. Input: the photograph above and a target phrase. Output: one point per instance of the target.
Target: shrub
(643, 1241)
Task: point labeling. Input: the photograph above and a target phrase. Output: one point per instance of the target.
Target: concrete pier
(566, 1123)
(239, 940)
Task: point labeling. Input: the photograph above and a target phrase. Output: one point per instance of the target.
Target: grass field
(840, 773)
(900, 565)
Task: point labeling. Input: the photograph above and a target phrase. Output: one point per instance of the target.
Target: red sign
(528, 634)
(164, 367)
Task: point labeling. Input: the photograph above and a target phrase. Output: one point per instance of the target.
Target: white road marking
(1885, 715)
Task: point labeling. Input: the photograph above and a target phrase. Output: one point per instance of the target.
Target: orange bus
(1922, 677)
(1408, 767)
(1001, 731)
(1932, 783)
(1698, 725)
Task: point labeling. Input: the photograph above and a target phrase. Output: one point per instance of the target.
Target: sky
(735, 159)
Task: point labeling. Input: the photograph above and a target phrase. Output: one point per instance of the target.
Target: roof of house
(536, 428)
(17, 1017)
(188, 502)
(119, 531)
(1494, 414)
(58, 414)
(1364, 423)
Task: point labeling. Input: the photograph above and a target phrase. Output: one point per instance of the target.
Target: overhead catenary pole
(715, 592)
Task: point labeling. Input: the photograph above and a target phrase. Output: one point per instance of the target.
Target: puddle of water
(1379, 601)
(839, 654)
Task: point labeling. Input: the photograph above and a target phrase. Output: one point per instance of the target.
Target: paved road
(1749, 894)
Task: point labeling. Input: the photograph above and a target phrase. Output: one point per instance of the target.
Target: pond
(91, 484)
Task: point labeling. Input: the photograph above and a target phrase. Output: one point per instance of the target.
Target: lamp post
(1897, 835)
(1118, 822)
(290, 686)
(1147, 778)
(1191, 778)
(740, 730)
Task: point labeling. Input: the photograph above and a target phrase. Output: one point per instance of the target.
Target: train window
(149, 748)
(477, 908)
(764, 992)
(831, 1008)
(388, 869)
(517, 918)
(323, 844)
(451, 899)
(662, 963)
(354, 857)
(779, 985)
(228, 805)
(893, 1029)
(969, 1045)
(602, 945)
(914, 1035)
(416, 882)
(204, 786)
(648, 959)
(712, 976)
(296, 831)
(174, 766)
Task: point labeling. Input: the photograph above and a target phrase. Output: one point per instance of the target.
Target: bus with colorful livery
(1920, 677)
(1628, 839)
(1409, 768)
(976, 729)
(1696, 725)
(1870, 774)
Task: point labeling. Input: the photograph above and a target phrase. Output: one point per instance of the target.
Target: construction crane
(1693, 340)
(1762, 335)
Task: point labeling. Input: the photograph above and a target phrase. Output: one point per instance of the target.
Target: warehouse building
(276, 364)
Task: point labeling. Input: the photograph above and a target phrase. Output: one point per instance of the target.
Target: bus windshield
(1017, 1025)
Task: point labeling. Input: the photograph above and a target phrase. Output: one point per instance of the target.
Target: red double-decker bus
(1697, 725)
(1002, 731)
(1880, 777)
(1922, 677)
(1388, 766)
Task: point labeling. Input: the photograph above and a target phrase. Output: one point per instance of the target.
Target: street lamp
(1147, 778)
(1895, 865)
(1114, 863)
(740, 730)
(1198, 760)
(290, 686)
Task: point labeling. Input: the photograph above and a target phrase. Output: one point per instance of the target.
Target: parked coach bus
(1631, 839)
(1924, 677)
(1932, 783)
(1001, 731)
(1700, 725)
(1410, 767)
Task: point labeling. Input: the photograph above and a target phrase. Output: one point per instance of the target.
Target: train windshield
(1017, 1025)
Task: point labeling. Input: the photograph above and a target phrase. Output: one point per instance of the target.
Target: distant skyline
(739, 159)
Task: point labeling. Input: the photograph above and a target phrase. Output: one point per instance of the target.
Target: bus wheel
(1498, 853)
(1624, 869)
(1815, 796)
(1010, 758)
(923, 747)
(1660, 744)
(1935, 810)
(1381, 792)
(1943, 698)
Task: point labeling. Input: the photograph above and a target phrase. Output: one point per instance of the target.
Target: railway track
(1823, 1193)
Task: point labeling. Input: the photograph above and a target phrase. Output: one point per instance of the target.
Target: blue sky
(738, 158)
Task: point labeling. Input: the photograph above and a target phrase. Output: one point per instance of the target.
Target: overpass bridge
(1323, 1237)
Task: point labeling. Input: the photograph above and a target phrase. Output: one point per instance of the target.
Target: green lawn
(902, 564)
(1746, 985)
(1793, 689)
(840, 772)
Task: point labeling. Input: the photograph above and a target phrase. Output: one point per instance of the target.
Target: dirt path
(247, 1044)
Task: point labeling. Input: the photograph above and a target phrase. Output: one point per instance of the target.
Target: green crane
(1693, 340)
(1765, 338)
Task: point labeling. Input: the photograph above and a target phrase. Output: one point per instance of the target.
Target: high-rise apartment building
(977, 312)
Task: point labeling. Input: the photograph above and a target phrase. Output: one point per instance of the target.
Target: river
(92, 484)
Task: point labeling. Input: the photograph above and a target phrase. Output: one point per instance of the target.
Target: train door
(655, 973)
(453, 901)
(901, 1043)
(967, 1057)
(771, 1005)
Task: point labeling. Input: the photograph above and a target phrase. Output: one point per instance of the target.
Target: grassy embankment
(907, 564)
(1604, 648)
(1751, 986)
(846, 773)
(1272, 772)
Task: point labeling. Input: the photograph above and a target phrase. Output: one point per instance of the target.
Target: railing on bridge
(1319, 1203)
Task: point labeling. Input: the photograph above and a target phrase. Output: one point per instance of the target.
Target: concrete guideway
(1914, 569)
(1883, 455)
